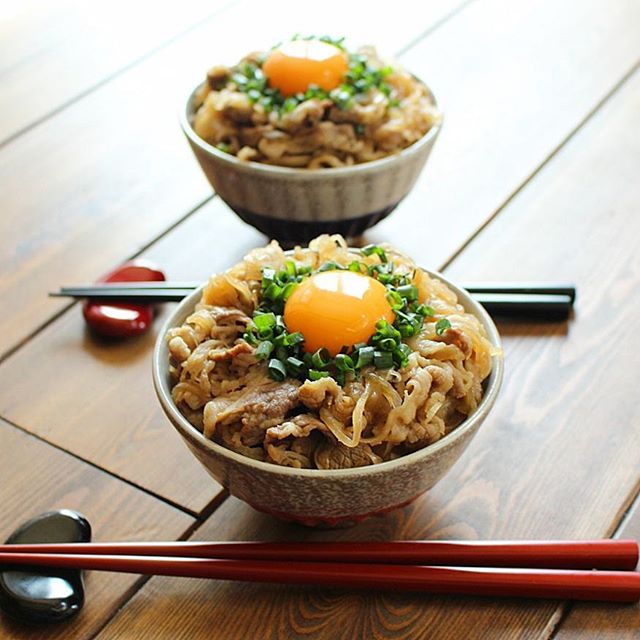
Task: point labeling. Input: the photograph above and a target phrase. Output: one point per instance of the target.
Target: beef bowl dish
(309, 137)
(327, 383)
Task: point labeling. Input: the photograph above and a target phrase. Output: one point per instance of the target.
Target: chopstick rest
(121, 318)
(48, 595)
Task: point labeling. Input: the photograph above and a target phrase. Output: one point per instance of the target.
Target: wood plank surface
(513, 79)
(605, 621)
(51, 52)
(34, 478)
(126, 166)
(558, 458)
(138, 177)
(98, 402)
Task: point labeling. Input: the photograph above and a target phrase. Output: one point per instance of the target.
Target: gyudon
(310, 103)
(327, 357)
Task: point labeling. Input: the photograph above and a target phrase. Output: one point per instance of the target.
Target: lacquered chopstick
(548, 306)
(619, 586)
(107, 288)
(544, 301)
(551, 554)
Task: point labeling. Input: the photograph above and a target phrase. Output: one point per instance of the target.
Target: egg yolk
(295, 65)
(334, 309)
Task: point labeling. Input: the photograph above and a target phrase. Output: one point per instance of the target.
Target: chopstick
(551, 301)
(553, 554)
(618, 586)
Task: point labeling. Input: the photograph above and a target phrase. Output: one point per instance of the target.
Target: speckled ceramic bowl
(296, 205)
(327, 497)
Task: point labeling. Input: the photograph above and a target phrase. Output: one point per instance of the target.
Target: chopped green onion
(395, 300)
(288, 290)
(388, 344)
(383, 359)
(365, 357)
(293, 339)
(374, 249)
(268, 275)
(276, 369)
(442, 325)
(321, 359)
(344, 362)
(264, 321)
(250, 338)
(316, 375)
(329, 266)
(273, 291)
(408, 292)
(264, 350)
(295, 365)
(401, 355)
(425, 310)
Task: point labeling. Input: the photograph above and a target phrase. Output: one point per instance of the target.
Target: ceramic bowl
(296, 205)
(327, 498)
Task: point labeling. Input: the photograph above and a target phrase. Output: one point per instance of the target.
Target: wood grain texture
(513, 80)
(51, 52)
(558, 458)
(605, 621)
(34, 478)
(186, 608)
(98, 402)
(114, 165)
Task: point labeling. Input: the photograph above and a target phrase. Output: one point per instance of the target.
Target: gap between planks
(557, 619)
(596, 108)
(137, 61)
(142, 580)
(199, 517)
(111, 76)
(58, 314)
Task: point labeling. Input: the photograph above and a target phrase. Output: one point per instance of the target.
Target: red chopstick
(617, 586)
(552, 554)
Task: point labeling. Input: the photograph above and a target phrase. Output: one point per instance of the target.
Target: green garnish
(277, 370)
(442, 325)
(360, 78)
(370, 249)
(284, 351)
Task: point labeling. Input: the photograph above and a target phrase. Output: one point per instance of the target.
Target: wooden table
(535, 177)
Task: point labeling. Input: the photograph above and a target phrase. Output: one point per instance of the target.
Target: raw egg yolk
(295, 65)
(334, 309)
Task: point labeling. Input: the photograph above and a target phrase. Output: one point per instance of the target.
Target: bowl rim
(300, 172)
(190, 433)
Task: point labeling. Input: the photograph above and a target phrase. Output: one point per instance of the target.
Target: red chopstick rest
(123, 319)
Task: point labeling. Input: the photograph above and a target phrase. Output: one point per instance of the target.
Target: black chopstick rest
(45, 595)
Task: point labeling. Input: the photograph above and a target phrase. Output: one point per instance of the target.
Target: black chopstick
(544, 301)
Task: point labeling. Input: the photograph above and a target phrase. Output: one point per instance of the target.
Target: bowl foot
(289, 232)
(332, 522)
